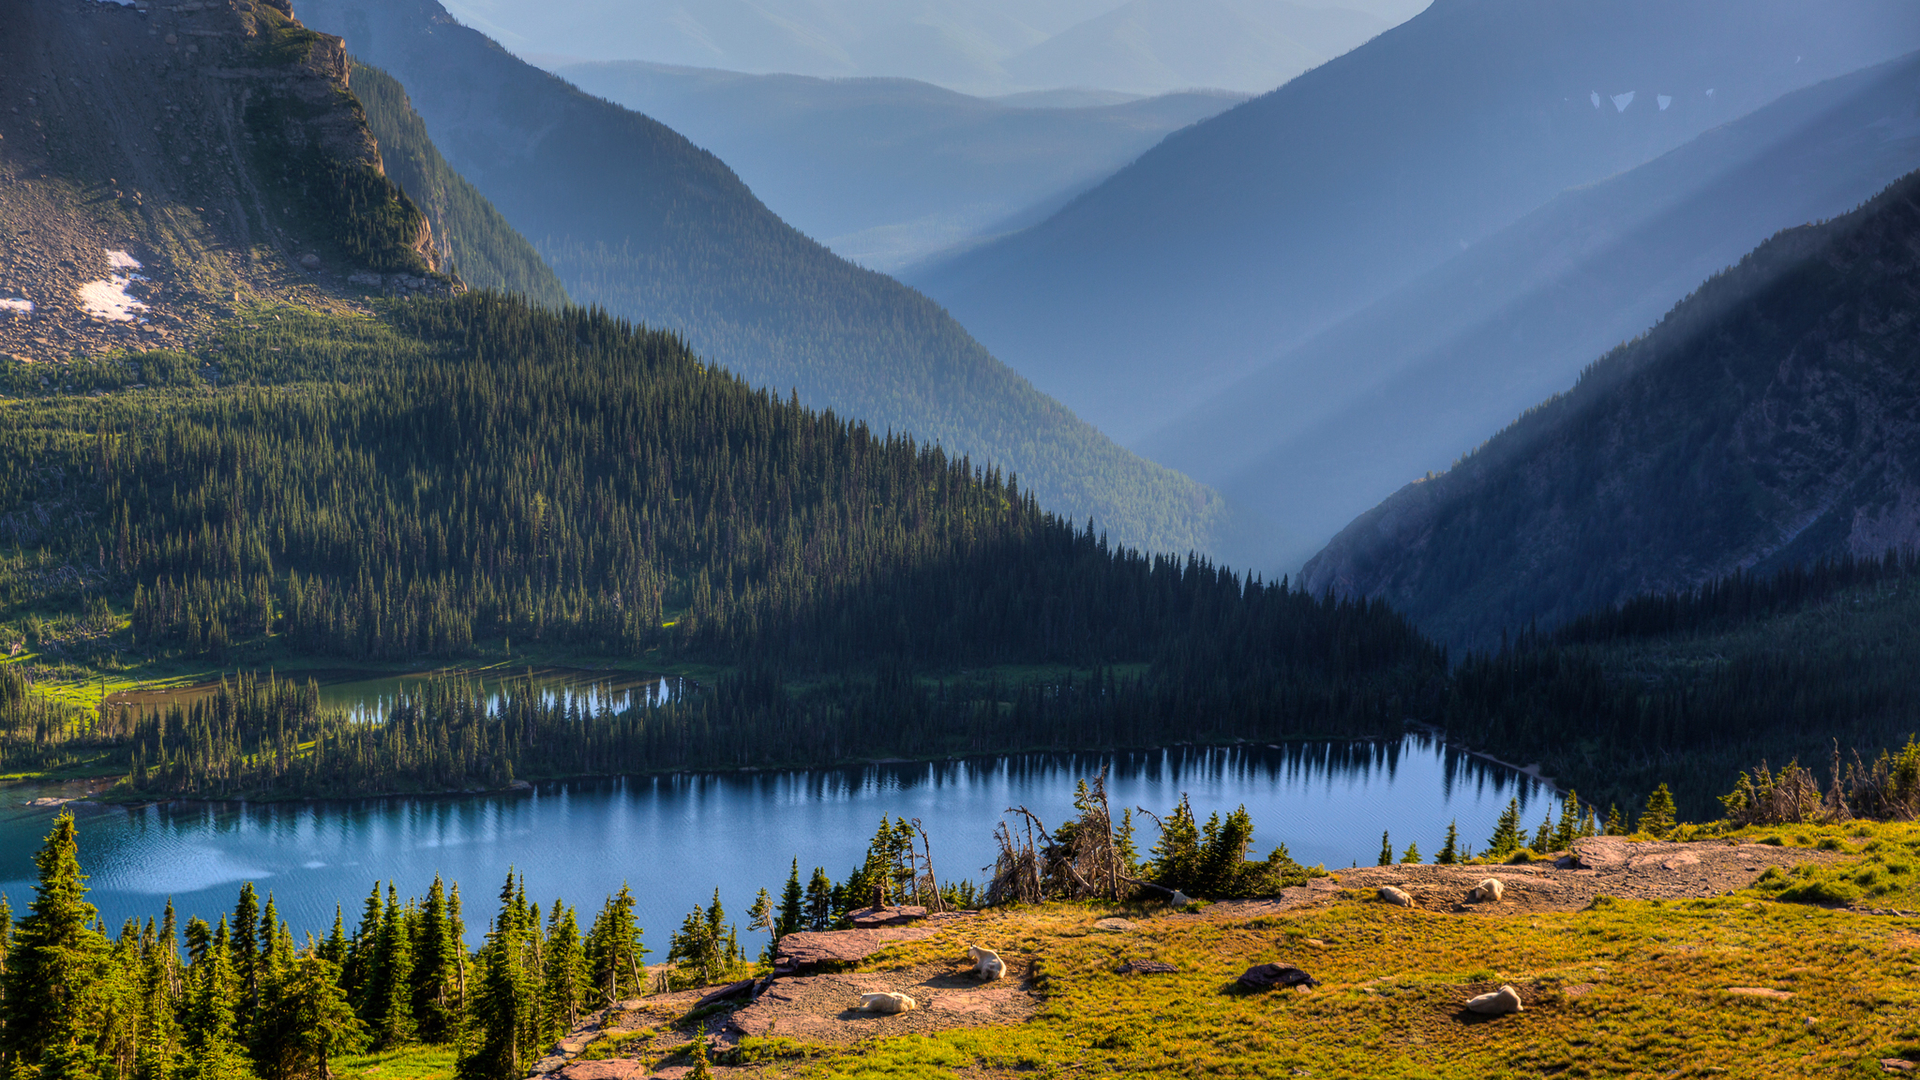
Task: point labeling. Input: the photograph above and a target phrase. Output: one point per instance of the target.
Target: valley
(428, 488)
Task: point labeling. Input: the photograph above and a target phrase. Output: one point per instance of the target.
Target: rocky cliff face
(160, 163)
(1772, 418)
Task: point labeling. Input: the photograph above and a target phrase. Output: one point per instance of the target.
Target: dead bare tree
(925, 862)
(1017, 876)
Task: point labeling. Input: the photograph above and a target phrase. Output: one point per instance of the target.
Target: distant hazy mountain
(1415, 380)
(975, 46)
(888, 171)
(1164, 45)
(1771, 419)
(1244, 235)
(638, 220)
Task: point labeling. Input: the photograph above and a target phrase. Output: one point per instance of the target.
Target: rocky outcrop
(188, 142)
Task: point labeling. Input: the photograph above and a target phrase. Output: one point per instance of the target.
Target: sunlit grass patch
(405, 1063)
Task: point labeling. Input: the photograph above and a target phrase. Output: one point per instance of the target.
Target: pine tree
(1386, 851)
(761, 917)
(1450, 851)
(1616, 821)
(434, 980)
(361, 973)
(705, 945)
(55, 996)
(701, 1069)
(1412, 855)
(1543, 835)
(334, 949)
(1176, 855)
(614, 950)
(568, 981)
(819, 900)
(1567, 830)
(210, 1045)
(1506, 837)
(390, 994)
(311, 1020)
(793, 902)
(1657, 820)
(245, 942)
(505, 1002)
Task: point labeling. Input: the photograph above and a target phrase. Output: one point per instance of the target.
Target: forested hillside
(472, 476)
(637, 220)
(1766, 422)
(1815, 664)
(475, 241)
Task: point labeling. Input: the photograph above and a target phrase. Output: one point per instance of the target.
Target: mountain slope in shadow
(1772, 419)
(636, 219)
(1417, 379)
(1246, 234)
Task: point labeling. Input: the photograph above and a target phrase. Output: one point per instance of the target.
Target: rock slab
(809, 948)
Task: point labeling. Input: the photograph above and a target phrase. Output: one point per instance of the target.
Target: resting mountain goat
(1392, 895)
(1488, 891)
(1504, 1000)
(987, 963)
(888, 1002)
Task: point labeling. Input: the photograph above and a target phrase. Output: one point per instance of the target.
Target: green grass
(406, 1063)
(1622, 989)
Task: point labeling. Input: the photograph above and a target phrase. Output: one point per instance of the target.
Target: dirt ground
(825, 1008)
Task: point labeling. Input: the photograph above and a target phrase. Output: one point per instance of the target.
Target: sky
(985, 47)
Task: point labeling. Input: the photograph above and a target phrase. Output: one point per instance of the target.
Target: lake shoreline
(531, 785)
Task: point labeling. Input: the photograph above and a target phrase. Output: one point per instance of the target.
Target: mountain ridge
(1245, 234)
(1420, 377)
(637, 220)
(1766, 422)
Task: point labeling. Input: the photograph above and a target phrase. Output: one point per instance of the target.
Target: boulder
(1262, 977)
(1501, 1001)
(728, 992)
(1113, 926)
(310, 261)
(608, 1069)
(872, 917)
(1601, 852)
(1392, 894)
(808, 948)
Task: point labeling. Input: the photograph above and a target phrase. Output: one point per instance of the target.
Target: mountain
(349, 459)
(1242, 236)
(1153, 46)
(972, 46)
(639, 221)
(159, 169)
(1413, 381)
(889, 171)
(476, 242)
(1767, 421)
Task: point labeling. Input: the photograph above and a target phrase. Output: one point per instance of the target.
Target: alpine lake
(677, 838)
